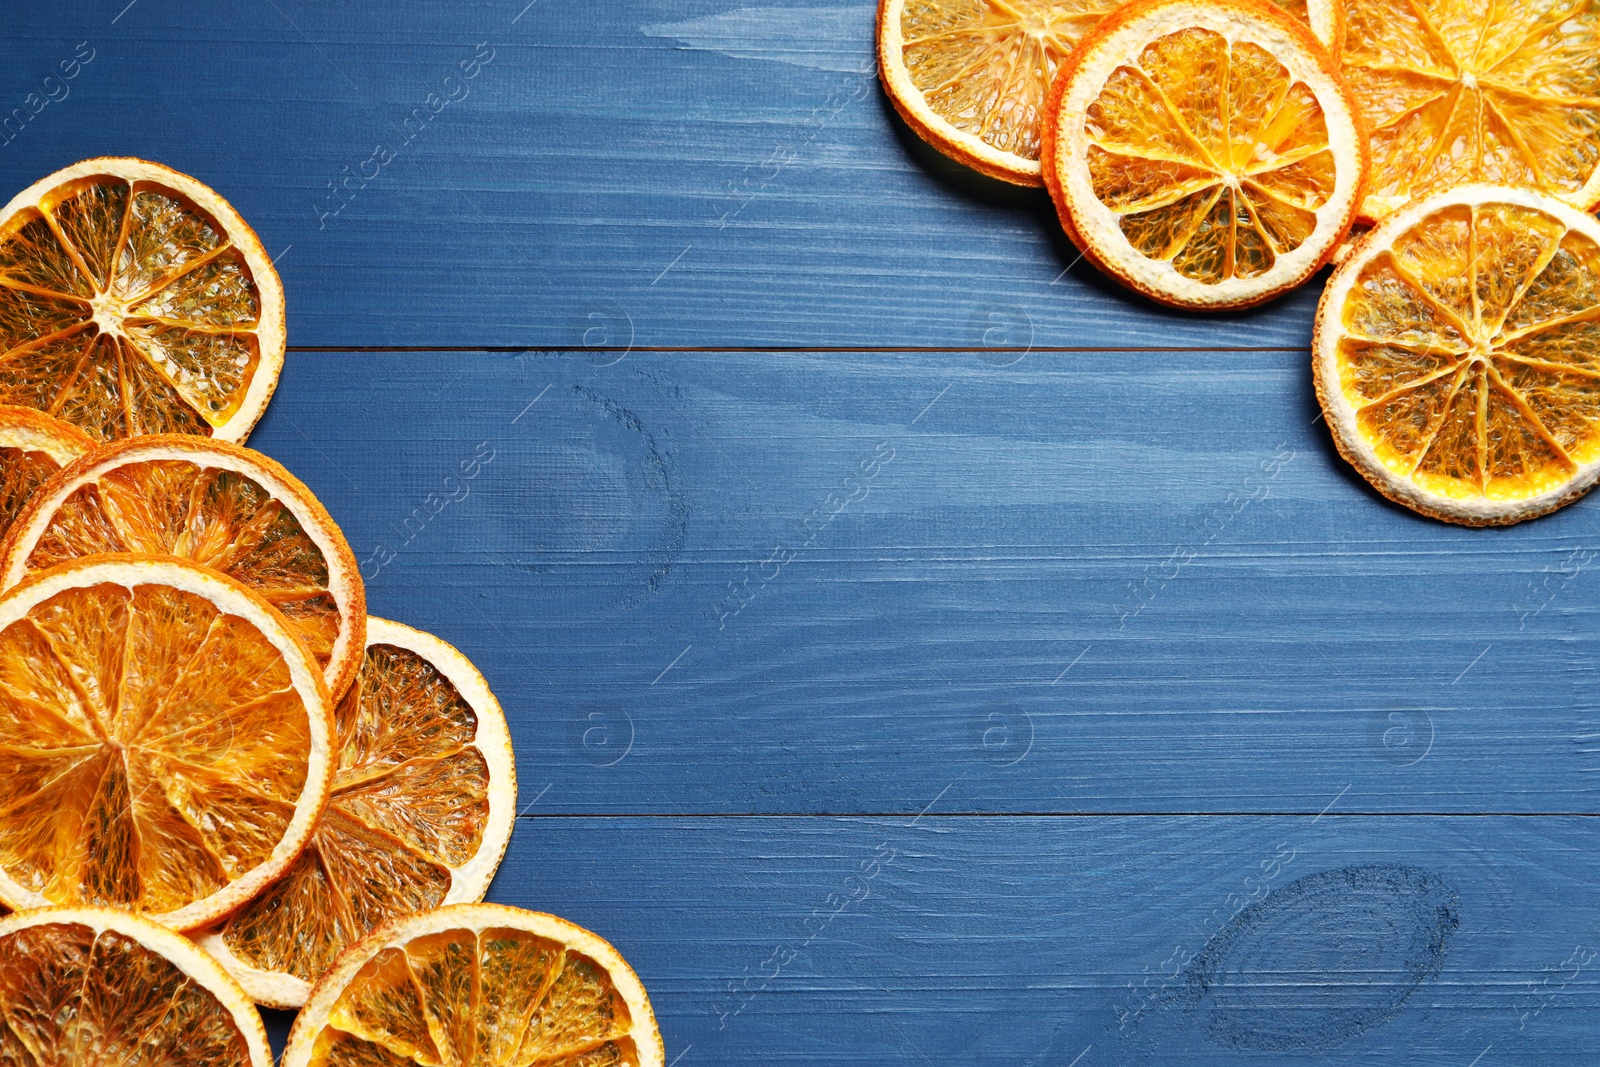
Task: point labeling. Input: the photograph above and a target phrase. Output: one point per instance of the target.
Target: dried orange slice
(219, 504)
(1457, 355)
(165, 740)
(102, 986)
(1462, 91)
(1203, 152)
(33, 447)
(421, 812)
(134, 299)
(971, 76)
(1325, 17)
(477, 985)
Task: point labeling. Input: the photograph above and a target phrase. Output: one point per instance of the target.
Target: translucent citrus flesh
(124, 309)
(152, 748)
(219, 518)
(985, 66)
(410, 801)
(1472, 353)
(22, 471)
(1212, 156)
(461, 998)
(71, 995)
(1458, 91)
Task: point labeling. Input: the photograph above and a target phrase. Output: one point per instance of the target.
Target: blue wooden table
(917, 650)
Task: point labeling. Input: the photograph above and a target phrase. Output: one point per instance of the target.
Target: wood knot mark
(1322, 959)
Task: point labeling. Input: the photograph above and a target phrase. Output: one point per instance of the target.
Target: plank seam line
(794, 349)
(1070, 815)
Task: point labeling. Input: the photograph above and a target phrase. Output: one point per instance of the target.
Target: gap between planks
(797, 349)
(1067, 815)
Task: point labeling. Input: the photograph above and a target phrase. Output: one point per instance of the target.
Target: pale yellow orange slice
(1457, 355)
(1454, 91)
(218, 504)
(165, 740)
(99, 986)
(477, 985)
(135, 299)
(1203, 152)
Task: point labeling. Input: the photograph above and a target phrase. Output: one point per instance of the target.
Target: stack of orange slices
(202, 732)
(1214, 154)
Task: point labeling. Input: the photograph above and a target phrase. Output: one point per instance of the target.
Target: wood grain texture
(580, 163)
(1218, 942)
(1030, 685)
(1079, 583)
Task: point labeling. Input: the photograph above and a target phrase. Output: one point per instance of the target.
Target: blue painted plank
(999, 580)
(1216, 942)
(718, 174)
(1091, 582)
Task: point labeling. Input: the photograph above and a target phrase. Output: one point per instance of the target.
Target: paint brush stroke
(821, 38)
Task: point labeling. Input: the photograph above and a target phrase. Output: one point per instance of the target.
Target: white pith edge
(892, 67)
(469, 882)
(475, 917)
(63, 445)
(1381, 207)
(1341, 413)
(235, 600)
(270, 329)
(177, 950)
(24, 536)
(270, 989)
(1324, 18)
(1098, 225)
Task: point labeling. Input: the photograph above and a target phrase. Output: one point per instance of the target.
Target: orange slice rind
(420, 815)
(477, 985)
(135, 299)
(98, 985)
(33, 447)
(1203, 152)
(1459, 91)
(219, 504)
(971, 76)
(1325, 17)
(1457, 355)
(165, 740)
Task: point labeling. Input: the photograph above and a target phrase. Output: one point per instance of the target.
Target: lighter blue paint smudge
(821, 38)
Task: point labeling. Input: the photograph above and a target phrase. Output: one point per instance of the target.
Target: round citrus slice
(477, 985)
(102, 986)
(219, 504)
(1457, 355)
(421, 812)
(134, 299)
(1203, 152)
(971, 76)
(33, 447)
(1459, 91)
(165, 740)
